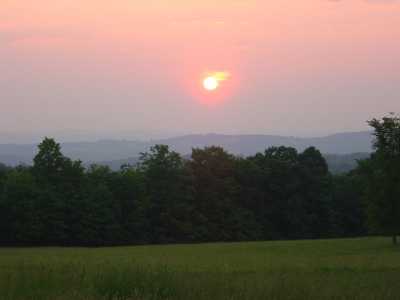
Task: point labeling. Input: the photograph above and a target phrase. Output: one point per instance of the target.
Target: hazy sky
(304, 67)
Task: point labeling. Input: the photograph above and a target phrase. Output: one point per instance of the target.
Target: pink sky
(305, 67)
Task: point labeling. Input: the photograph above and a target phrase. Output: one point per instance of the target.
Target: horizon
(29, 139)
(114, 152)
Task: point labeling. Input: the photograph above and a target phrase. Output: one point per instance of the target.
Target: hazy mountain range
(116, 152)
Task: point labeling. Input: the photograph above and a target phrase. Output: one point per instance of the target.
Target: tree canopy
(211, 196)
(381, 176)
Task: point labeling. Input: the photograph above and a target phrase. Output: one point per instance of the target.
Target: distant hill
(342, 143)
(338, 163)
(342, 163)
(117, 151)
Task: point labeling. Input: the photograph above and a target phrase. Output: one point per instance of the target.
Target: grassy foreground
(367, 268)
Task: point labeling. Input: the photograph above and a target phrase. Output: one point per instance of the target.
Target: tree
(3, 171)
(128, 188)
(347, 215)
(382, 177)
(20, 220)
(288, 192)
(217, 198)
(169, 192)
(252, 179)
(284, 211)
(61, 183)
(49, 162)
(100, 209)
(213, 196)
(315, 190)
(265, 181)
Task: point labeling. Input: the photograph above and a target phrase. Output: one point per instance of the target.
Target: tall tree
(169, 192)
(285, 210)
(315, 190)
(382, 177)
(217, 196)
(49, 162)
(61, 182)
(128, 188)
(347, 216)
(20, 221)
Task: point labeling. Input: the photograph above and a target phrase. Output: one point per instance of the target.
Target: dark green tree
(217, 198)
(49, 162)
(382, 177)
(347, 216)
(3, 171)
(213, 196)
(20, 222)
(99, 207)
(169, 195)
(284, 213)
(128, 187)
(61, 183)
(315, 191)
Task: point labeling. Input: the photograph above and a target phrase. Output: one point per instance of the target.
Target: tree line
(212, 196)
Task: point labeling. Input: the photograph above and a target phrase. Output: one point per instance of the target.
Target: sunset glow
(265, 59)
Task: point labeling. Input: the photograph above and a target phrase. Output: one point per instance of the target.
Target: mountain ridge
(243, 144)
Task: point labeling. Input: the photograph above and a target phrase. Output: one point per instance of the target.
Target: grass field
(367, 268)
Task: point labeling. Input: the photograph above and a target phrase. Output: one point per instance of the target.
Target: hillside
(115, 150)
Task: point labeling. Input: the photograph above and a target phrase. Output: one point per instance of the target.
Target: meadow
(364, 268)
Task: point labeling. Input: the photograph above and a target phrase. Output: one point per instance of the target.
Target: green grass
(367, 268)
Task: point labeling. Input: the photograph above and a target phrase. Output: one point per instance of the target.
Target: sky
(134, 69)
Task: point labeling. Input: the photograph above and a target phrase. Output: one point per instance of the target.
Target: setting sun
(210, 83)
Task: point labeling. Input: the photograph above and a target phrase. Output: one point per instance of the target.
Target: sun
(210, 83)
(213, 80)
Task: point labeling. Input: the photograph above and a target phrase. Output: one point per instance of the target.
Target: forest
(211, 196)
